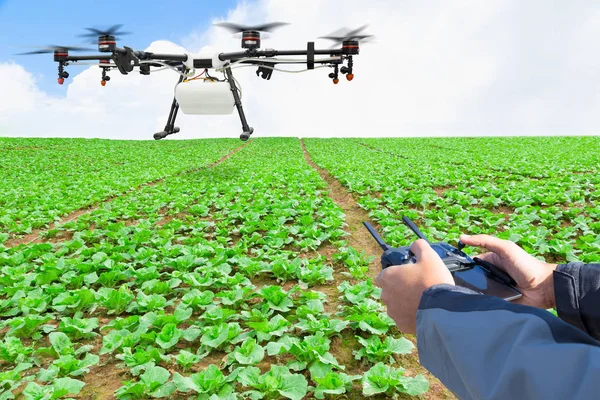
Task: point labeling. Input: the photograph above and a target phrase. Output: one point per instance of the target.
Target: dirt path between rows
(381, 151)
(360, 239)
(35, 237)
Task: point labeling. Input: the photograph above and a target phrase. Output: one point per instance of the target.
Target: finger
(491, 243)
(489, 257)
(423, 251)
(492, 258)
(379, 279)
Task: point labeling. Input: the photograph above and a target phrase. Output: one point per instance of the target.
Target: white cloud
(436, 68)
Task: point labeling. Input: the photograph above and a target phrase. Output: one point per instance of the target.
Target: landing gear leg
(246, 130)
(170, 127)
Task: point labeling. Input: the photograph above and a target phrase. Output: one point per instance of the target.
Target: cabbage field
(215, 269)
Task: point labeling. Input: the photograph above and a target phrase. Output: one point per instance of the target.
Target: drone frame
(126, 59)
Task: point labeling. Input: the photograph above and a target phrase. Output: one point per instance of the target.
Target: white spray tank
(204, 97)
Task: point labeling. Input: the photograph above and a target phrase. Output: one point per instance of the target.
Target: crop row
(43, 180)
(539, 192)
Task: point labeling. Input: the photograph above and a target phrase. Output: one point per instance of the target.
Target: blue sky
(26, 23)
(436, 68)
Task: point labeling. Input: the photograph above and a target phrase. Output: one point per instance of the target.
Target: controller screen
(476, 279)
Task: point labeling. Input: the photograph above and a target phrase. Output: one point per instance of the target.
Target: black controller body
(454, 258)
(473, 273)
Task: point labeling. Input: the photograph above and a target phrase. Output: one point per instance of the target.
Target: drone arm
(143, 55)
(89, 58)
(273, 53)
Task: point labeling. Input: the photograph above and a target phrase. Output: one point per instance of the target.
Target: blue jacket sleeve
(577, 292)
(483, 347)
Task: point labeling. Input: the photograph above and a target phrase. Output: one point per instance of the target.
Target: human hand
(533, 277)
(403, 285)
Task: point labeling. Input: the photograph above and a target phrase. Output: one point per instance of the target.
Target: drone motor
(107, 44)
(350, 47)
(60, 55)
(250, 40)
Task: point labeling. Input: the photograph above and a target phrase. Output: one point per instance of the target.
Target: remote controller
(474, 273)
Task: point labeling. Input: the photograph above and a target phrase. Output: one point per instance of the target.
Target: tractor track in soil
(359, 238)
(35, 235)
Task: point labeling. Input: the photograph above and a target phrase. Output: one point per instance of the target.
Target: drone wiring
(213, 78)
(198, 76)
(166, 66)
(238, 87)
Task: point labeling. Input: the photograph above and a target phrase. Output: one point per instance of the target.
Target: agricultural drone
(203, 93)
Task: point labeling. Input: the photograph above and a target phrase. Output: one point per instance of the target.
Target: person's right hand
(533, 277)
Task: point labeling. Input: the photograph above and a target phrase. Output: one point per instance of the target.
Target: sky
(436, 68)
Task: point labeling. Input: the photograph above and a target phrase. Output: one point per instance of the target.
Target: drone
(199, 91)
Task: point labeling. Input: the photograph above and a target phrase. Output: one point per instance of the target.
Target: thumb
(423, 251)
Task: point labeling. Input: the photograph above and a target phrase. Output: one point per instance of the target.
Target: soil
(103, 381)
(360, 238)
(382, 151)
(440, 190)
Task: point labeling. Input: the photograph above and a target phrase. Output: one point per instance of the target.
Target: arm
(577, 293)
(482, 347)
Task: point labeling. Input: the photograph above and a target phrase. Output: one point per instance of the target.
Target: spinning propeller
(346, 36)
(53, 49)
(250, 33)
(106, 38)
(112, 31)
(60, 55)
(237, 28)
(349, 39)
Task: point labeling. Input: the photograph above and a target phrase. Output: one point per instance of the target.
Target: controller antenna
(376, 236)
(414, 228)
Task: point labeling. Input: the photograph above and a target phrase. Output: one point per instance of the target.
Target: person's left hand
(403, 285)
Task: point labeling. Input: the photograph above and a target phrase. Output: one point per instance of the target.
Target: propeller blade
(360, 38)
(237, 28)
(93, 31)
(344, 34)
(111, 31)
(34, 52)
(355, 31)
(52, 49)
(69, 48)
(335, 38)
(268, 27)
(114, 29)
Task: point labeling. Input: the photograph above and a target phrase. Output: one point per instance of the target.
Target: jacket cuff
(566, 292)
(437, 290)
